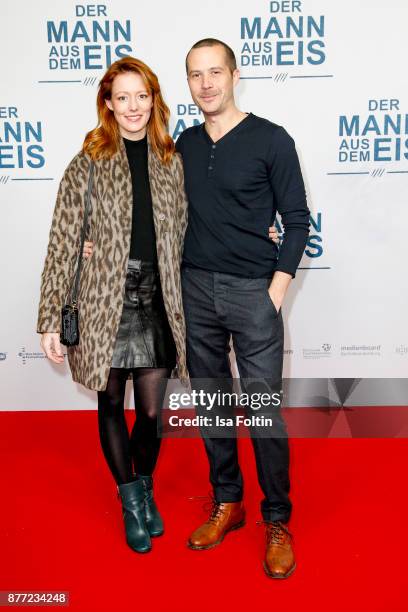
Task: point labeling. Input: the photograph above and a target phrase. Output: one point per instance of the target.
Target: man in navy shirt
(239, 171)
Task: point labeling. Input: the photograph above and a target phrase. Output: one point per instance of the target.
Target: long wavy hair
(103, 141)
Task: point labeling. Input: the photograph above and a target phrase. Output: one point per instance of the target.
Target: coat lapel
(157, 179)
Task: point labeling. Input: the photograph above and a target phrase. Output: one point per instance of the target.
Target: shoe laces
(216, 511)
(275, 531)
(211, 506)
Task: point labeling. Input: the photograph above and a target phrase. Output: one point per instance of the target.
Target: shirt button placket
(212, 160)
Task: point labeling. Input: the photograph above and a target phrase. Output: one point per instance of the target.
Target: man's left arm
(290, 200)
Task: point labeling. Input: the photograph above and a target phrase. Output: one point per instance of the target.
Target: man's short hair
(212, 42)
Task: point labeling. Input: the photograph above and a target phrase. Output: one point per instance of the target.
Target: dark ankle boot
(137, 534)
(154, 521)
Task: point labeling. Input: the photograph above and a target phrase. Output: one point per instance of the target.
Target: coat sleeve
(63, 245)
(182, 202)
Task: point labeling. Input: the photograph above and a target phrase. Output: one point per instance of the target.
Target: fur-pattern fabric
(103, 275)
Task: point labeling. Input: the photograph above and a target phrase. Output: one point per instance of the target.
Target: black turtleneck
(143, 241)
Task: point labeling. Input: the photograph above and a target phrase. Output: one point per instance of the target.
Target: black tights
(138, 452)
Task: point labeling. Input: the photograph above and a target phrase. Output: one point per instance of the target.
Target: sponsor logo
(376, 135)
(3, 356)
(322, 352)
(314, 245)
(21, 140)
(283, 37)
(88, 40)
(27, 356)
(360, 350)
(402, 350)
(186, 115)
(379, 135)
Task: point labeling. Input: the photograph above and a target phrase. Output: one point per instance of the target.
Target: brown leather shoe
(279, 558)
(224, 517)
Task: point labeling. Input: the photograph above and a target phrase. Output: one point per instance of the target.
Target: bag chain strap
(83, 231)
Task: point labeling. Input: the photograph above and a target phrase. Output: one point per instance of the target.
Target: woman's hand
(51, 345)
(88, 249)
(273, 234)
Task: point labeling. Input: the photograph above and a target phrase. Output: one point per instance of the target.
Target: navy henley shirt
(234, 187)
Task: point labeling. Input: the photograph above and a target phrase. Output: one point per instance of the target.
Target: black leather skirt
(144, 337)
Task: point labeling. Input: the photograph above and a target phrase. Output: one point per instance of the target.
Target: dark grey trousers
(218, 306)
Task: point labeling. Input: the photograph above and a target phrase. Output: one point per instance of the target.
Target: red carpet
(61, 525)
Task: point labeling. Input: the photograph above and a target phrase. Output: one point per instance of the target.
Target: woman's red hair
(103, 141)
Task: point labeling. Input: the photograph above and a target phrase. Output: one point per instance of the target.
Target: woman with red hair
(130, 308)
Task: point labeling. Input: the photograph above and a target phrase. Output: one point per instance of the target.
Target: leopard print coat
(103, 275)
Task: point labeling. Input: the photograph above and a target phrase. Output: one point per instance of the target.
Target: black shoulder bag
(69, 335)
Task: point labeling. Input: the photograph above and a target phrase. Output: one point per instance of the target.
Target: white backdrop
(333, 73)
